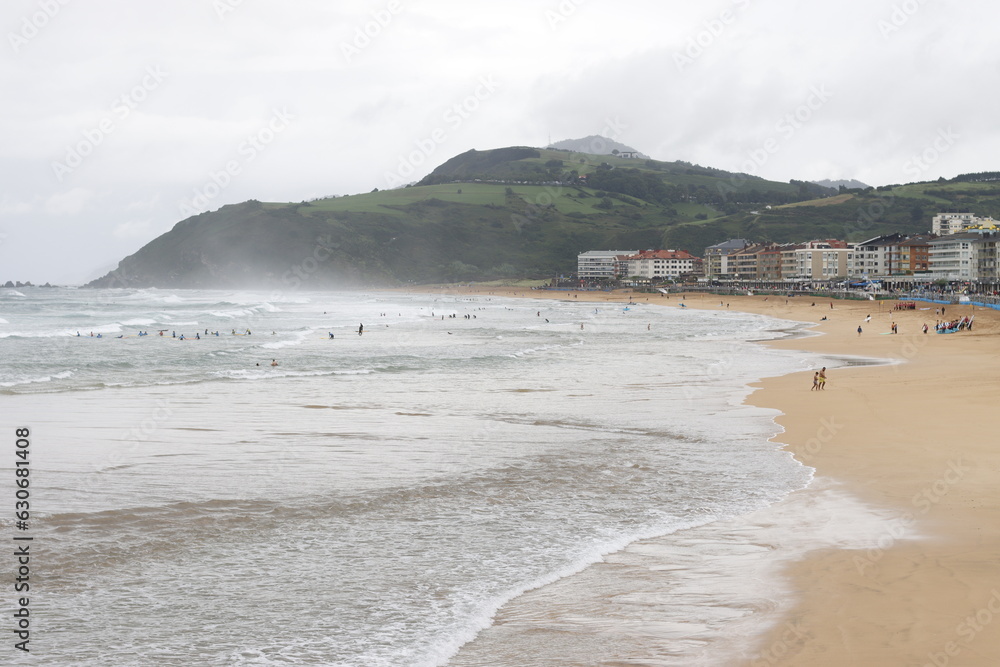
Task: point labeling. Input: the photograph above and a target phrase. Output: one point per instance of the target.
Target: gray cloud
(366, 83)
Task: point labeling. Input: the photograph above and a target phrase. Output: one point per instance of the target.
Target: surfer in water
(361, 329)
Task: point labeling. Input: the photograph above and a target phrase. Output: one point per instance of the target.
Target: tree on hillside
(460, 271)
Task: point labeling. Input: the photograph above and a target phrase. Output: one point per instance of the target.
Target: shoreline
(926, 589)
(897, 435)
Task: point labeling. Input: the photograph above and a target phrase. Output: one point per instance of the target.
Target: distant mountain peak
(597, 145)
(850, 184)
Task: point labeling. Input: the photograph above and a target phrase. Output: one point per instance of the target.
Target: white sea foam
(407, 481)
(62, 333)
(534, 350)
(35, 380)
(268, 372)
(297, 339)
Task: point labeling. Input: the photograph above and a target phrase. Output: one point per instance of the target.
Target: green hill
(854, 215)
(518, 212)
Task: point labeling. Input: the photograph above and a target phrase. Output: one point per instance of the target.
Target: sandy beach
(915, 439)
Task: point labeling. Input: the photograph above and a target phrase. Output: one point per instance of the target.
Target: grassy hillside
(681, 181)
(521, 212)
(853, 215)
(380, 239)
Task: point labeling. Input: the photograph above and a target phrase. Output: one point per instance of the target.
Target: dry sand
(919, 437)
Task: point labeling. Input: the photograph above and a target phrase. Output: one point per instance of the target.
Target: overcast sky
(120, 118)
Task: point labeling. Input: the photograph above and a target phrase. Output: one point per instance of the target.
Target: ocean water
(373, 499)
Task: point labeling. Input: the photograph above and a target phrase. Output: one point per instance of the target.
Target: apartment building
(955, 257)
(871, 259)
(660, 264)
(912, 256)
(600, 264)
(954, 223)
(743, 264)
(717, 257)
(820, 260)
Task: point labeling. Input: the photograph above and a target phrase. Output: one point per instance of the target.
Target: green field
(391, 202)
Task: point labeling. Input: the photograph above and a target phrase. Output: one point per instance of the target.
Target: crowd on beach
(905, 305)
(954, 325)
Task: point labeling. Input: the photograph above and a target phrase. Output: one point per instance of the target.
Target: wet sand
(912, 580)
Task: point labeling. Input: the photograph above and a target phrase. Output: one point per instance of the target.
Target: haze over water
(373, 499)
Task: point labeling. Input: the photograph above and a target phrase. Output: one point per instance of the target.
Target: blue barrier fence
(955, 302)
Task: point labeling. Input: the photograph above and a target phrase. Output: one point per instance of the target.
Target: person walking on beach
(859, 331)
(815, 381)
(822, 378)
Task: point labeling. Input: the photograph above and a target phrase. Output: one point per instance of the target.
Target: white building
(954, 223)
(955, 257)
(820, 261)
(598, 264)
(660, 264)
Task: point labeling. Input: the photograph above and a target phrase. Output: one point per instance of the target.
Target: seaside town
(958, 255)
(522, 334)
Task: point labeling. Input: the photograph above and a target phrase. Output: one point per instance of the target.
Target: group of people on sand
(819, 380)
(954, 325)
